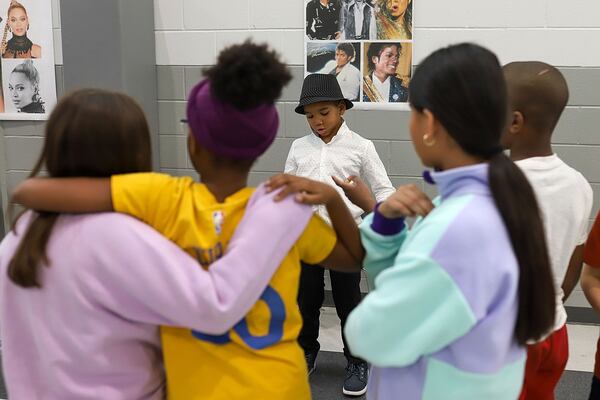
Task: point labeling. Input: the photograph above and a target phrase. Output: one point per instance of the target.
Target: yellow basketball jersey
(259, 358)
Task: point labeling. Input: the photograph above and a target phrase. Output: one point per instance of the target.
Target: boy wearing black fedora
(332, 150)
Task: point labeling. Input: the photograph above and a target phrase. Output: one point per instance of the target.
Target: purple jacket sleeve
(144, 277)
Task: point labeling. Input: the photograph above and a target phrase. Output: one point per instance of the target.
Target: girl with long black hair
(456, 297)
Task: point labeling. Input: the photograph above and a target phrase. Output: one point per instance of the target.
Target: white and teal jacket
(439, 321)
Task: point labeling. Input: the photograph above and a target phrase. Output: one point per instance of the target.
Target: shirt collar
(540, 163)
(456, 181)
(341, 133)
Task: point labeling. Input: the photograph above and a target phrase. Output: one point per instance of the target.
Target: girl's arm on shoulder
(348, 253)
(147, 278)
(65, 195)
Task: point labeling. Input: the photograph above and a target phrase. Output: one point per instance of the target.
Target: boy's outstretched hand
(357, 192)
(307, 191)
(407, 201)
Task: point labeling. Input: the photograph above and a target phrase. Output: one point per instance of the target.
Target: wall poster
(366, 44)
(28, 81)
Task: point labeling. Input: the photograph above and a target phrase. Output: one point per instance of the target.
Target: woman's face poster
(28, 84)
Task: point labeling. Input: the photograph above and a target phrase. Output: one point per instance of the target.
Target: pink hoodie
(91, 331)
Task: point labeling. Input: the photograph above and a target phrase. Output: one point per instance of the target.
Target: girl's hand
(308, 191)
(407, 201)
(357, 192)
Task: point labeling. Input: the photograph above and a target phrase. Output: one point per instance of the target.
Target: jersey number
(274, 335)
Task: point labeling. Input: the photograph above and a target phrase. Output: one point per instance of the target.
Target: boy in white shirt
(538, 94)
(332, 150)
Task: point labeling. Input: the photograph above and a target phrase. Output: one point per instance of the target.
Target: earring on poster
(428, 140)
(36, 98)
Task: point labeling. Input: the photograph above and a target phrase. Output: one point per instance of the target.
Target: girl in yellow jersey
(232, 120)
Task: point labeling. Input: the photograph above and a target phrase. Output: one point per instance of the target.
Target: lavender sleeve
(146, 278)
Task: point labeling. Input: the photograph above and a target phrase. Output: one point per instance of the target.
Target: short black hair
(539, 91)
(347, 48)
(375, 50)
(248, 75)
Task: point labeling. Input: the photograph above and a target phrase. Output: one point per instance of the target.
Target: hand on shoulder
(406, 201)
(307, 191)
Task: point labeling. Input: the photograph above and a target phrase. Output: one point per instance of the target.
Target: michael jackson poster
(366, 44)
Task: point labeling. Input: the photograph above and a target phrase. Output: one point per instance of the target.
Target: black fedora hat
(320, 87)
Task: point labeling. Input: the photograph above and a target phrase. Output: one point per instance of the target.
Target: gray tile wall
(577, 137)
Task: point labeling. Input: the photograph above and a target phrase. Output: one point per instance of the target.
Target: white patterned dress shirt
(347, 154)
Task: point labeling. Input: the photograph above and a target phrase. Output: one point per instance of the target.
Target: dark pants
(346, 296)
(595, 393)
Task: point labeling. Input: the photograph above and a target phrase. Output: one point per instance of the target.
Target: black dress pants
(595, 393)
(346, 296)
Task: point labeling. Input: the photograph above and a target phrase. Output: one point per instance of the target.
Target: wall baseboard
(582, 315)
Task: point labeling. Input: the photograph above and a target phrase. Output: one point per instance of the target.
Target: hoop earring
(428, 140)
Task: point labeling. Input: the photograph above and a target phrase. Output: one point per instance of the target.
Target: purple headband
(227, 131)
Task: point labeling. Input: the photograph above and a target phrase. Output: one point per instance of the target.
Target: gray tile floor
(575, 383)
(326, 381)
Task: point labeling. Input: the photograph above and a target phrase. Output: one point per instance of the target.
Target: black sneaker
(311, 362)
(357, 376)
